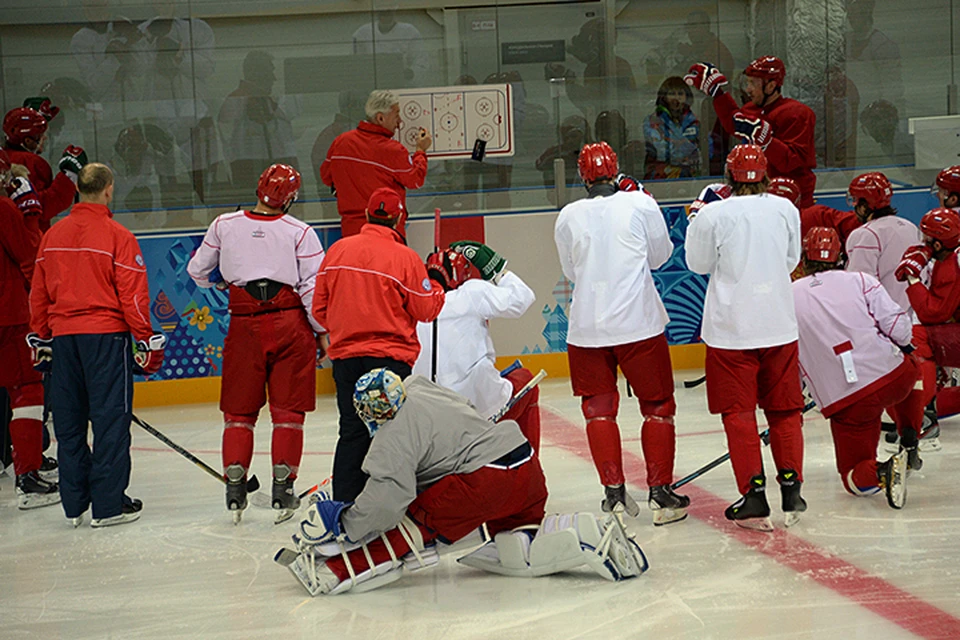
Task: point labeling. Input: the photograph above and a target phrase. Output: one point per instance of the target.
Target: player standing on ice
(782, 127)
(19, 217)
(466, 359)
(749, 244)
(851, 337)
(609, 243)
(372, 290)
(89, 293)
(269, 260)
(438, 470)
(368, 158)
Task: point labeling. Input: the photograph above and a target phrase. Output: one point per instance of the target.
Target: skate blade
(237, 516)
(668, 516)
(36, 501)
(756, 524)
(283, 515)
(791, 518)
(931, 444)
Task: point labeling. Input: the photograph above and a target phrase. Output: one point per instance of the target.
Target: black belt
(263, 289)
(515, 458)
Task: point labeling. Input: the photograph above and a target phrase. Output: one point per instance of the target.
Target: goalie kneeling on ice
(562, 542)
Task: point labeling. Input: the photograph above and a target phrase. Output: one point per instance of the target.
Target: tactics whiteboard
(456, 117)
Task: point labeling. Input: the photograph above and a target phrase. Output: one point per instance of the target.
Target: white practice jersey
(748, 245)
(466, 362)
(250, 246)
(877, 248)
(608, 248)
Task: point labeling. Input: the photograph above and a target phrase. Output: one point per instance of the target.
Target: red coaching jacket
(361, 161)
(54, 192)
(19, 239)
(820, 215)
(90, 278)
(791, 152)
(371, 291)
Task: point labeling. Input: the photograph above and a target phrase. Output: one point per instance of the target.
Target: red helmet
(942, 224)
(768, 68)
(785, 188)
(22, 123)
(746, 163)
(386, 205)
(872, 187)
(598, 161)
(949, 179)
(279, 186)
(822, 244)
(450, 268)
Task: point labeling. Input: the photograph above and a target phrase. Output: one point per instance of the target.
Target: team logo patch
(139, 260)
(258, 233)
(426, 284)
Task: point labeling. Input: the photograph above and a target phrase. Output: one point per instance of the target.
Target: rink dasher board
(456, 117)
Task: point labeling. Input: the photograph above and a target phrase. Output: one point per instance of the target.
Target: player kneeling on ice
(438, 471)
(852, 334)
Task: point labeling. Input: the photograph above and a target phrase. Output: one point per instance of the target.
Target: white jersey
(466, 362)
(748, 245)
(249, 246)
(877, 248)
(608, 248)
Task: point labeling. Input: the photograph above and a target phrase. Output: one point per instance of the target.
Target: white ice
(185, 571)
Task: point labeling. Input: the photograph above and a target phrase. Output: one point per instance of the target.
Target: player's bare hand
(424, 140)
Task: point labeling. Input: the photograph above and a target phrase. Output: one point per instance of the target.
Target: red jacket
(791, 153)
(19, 239)
(820, 215)
(371, 292)
(361, 161)
(55, 193)
(90, 278)
(939, 302)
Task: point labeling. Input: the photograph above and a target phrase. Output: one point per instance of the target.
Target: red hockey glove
(705, 77)
(25, 197)
(148, 355)
(914, 259)
(711, 193)
(752, 130)
(41, 351)
(627, 183)
(74, 158)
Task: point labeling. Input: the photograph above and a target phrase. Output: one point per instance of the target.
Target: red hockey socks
(743, 442)
(287, 443)
(786, 439)
(603, 436)
(238, 440)
(659, 443)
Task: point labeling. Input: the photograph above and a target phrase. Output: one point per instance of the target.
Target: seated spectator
(672, 134)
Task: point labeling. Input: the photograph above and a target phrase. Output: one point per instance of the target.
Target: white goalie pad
(561, 543)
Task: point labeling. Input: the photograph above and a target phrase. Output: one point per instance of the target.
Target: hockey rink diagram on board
(456, 117)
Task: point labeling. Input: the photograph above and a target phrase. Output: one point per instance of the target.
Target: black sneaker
(667, 506)
(129, 512)
(752, 511)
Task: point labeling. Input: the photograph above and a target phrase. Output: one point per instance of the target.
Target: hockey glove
(488, 262)
(914, 259)
(25, 197)
(705, 77)
(41, 350)
(216, 279)
(330, 511)
(627, 183)
(711, 193)
(43, 105)
(752, 130)
(74, 158)
(148, 355)
(907, 349)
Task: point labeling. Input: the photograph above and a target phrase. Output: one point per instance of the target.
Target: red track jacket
(19, 239)
(371, 292)
(55, 193)
(791, 152)
(940, 302)
(90, 278)
(361, 161)
(820, 215)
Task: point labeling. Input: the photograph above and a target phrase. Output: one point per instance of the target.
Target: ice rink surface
(852, 568)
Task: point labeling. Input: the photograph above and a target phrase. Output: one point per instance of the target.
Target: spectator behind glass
(256, 128)
(881, 121)
(611, 128)
(388, 36)
(672, 134)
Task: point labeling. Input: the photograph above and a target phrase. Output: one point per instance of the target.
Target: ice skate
(285, 499)
(49, 469)
(751, 511)
(130, 512)
(617, 497)
(236, 491)
(790, 500)
(930, 438)
(33, 491)
(77, 521)
(666, 505)
(892, 477)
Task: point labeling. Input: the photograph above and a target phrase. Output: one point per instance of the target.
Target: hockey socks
(659, 442)
(238, 441)
(603, 435)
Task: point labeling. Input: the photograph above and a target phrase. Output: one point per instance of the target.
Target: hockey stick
(516, 398)
(436, 321)
(252, 484)
(262, 500)
(516, 364)
(690, 384)
(764, 436)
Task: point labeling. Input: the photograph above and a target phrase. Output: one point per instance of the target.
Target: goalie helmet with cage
(873, 188)
(747, 163)
(377, 397)
(23, 123)
(942, 224)
(822, 244)
(448, 267)
(279, 186)
(597, 161)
